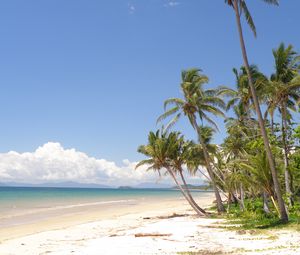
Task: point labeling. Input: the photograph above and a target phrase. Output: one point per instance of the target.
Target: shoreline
(157, 227)
(36, 222)
(21, 215)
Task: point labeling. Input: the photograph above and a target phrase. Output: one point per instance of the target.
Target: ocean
(20, 205)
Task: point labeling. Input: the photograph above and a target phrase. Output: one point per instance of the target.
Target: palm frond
(144, 162)
(213, 110)
(167, 114)
(248, 16)
(172, 123)
(173, 101)
(225, 91)
(214, 101)
(273, 2)
(209, 120)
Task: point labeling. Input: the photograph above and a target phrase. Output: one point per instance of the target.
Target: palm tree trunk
(209, 180)
(272, 125)
(242, 197)
(265, 202)
(220, 205)
(234, 198)
(189, 193)
(283, 212)
(183, 193)
(239, 196)
(285, 154)
(228, 201)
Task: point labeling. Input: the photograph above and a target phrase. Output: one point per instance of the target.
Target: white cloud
(171, 3)
(132, 8)
(52, 163)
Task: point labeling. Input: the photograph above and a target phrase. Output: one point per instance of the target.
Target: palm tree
(240, 7)
(260, 176)
(234, 149)
(236, 181)
(181, 155)
(195, 157)
(162, 152)
(285, 95)
(242, 95)
(271, 107)
(196, 105)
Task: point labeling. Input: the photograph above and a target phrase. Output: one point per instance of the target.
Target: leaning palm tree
(179, 157)
(285, 94)
(240, 7)
(162, 152)
(196, 105)
(196, 160)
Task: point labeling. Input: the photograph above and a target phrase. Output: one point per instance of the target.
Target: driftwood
(174, 215)
(151, 235)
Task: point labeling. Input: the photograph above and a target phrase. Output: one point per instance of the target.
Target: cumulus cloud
(53, 163)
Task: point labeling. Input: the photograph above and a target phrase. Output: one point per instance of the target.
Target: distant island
(125, 187)
(145, 185)
(56, 185)
(101, 186)
(194, 187)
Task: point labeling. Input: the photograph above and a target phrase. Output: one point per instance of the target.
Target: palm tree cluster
(260, 156)
(243, 148)
(171, 152)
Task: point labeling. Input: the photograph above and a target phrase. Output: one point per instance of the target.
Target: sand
(145, 229)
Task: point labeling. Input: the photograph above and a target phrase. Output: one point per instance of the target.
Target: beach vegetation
(169, 151)
(256, 219)
(255, 172)
(197, 103)
(240, 8)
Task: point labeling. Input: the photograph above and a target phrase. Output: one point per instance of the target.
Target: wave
(62, 207)
(91, 204)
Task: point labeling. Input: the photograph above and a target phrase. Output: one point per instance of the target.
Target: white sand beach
(144, 229)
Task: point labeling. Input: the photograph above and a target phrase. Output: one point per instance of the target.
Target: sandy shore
(132, 230)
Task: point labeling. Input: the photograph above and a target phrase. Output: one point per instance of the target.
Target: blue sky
(93, 74)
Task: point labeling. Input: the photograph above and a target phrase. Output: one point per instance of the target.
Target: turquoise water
(22, 204)
(13, 198)
(16, 200)
(14, 194)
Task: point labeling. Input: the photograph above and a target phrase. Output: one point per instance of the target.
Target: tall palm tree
(162, 152)
(196, 105)
(285, 94)
(240, 7)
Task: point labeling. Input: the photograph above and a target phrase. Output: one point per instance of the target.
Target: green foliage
(255, 218)
(296, 134)
(255, 145)
(197, 104)
(243, 9)
(295, 172)
(240, 166)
